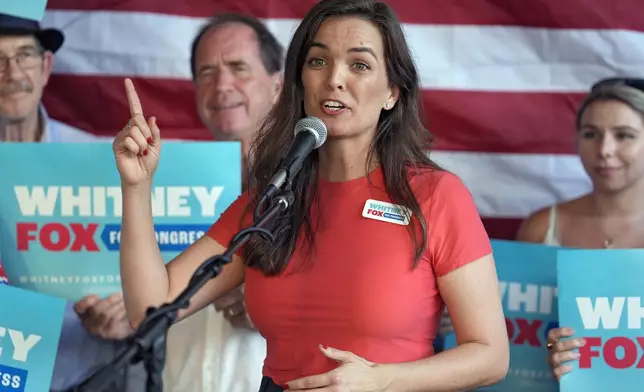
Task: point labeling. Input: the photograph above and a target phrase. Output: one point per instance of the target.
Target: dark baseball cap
(50, 39)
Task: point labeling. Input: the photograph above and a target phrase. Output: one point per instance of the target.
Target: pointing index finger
(133, 98)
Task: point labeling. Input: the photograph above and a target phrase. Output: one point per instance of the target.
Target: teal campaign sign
(61, 208)
(600, 298)
(28, 9)
(528, 285)
(30, 325)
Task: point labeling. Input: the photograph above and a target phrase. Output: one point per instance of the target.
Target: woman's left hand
(355, 374)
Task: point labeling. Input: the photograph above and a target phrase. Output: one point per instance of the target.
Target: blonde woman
(610, 141)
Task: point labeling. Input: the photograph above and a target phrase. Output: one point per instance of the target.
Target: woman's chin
(337, 133)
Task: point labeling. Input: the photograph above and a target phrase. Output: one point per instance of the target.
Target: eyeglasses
(25, 59)
(629, 82)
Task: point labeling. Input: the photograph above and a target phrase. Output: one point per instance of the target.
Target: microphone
(310, 133)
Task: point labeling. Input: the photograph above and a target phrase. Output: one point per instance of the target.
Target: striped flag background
(501, 79)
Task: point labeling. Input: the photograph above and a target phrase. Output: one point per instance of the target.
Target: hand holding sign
(137, 146)
(560, 351)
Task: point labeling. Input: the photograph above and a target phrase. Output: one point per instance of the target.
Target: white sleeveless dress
(551, 235)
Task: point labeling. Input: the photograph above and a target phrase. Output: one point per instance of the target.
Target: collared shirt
(58, 132)
(79, 352)
(55, 131)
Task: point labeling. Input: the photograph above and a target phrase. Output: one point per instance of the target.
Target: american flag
(501, 79)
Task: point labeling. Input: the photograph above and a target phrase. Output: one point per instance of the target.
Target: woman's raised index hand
(133, 98)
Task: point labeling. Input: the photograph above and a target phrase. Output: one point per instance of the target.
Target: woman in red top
(346, 299)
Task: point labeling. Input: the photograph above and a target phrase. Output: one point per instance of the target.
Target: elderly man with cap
(26, 61)
(92, 327)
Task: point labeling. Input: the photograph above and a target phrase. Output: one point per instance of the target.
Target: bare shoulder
(573, 207)
(535, 226)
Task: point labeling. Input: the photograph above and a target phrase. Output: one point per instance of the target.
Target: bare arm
(146, 280)
(144, 277)
(482, 355)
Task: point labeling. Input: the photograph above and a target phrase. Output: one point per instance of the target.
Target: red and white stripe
(501, 80)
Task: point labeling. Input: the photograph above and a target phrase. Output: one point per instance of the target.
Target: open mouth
(333, 106)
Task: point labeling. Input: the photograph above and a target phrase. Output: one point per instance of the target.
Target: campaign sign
(600, 298)
(527, 280)
(28, 9)
(30, 325)
(61, 208)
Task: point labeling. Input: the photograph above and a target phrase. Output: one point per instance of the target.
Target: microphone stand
(148, 342)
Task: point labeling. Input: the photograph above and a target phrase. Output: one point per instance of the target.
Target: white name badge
(386, 212)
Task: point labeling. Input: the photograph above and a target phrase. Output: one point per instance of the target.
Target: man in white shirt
(91, 330)
(236, 67)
